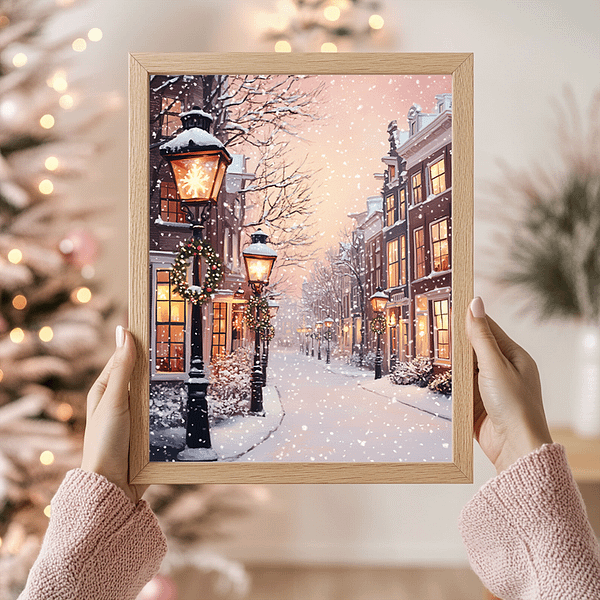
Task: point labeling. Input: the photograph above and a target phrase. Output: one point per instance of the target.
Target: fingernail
(120, 334)
(477, 308)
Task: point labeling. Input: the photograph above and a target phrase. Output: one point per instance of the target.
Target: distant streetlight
(259, 260)
(319, 327)
(328, 322)
(378, 302)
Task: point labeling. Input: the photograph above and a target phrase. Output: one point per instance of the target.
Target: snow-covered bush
(167, 405)
(369, 360)
(230, 385)
(417, 371)
(442, 383)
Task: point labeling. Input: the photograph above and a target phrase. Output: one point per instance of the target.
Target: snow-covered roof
(191, 138)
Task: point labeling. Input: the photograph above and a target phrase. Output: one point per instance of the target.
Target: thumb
(123, 361)
(489, 355)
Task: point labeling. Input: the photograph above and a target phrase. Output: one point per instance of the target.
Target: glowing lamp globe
(259, 260)
(328, 322)
(319, 325)
(197, 158)
(378, 300)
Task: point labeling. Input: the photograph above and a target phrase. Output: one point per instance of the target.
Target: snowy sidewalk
(230, 438)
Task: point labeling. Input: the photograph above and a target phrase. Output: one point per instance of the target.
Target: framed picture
(301, 267)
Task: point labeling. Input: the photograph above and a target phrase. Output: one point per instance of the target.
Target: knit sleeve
(98, 546)
(527, 533)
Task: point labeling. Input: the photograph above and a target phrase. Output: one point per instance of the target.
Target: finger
(507, 345)
(98, 388)
(489, 355)
(116, 392)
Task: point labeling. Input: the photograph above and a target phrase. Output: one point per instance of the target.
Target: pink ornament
(160, 587)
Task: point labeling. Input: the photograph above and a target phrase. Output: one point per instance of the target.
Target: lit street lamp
(259, 260)
(328, 322)
(378, 301)
(198, 161)
(319, 327)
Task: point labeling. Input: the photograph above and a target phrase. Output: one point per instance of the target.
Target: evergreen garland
(378, 325)
(268, 332)
(250, 314)
(214, 271)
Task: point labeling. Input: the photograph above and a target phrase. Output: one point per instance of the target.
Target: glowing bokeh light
(51, 163)
(283, 46)
(19, 302)
(64, 411)
(66, 101)
(46, 333)
(82, 295)
(47, 511)
(328, 47)
(15, 256)
(376, 21)
(47, 121)
(79, 45)
(46, 186)
(95, 34)
(46, 457)
(332, 13)
(17, 335)
(19, 60)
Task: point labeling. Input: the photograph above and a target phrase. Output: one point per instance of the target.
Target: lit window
(417, 189)
(219, 328)
(392, 269)
(170, 207)
(390, 206)
(402, 205)
(170, 325)
(422, 324)
(439, 238)
(392, 170)
(420, 252)
(402, 260)
(437, 175)
(170, 116)
(440, 311)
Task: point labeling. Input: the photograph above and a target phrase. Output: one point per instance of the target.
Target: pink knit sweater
(526, 533)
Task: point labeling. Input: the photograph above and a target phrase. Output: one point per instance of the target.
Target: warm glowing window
(439, 240)
(392, 270)
(237, 325)
(389, 210)
(402, 205)
(402, 260)
(420, 253)
(170, 116)
(422, 329)
(392, 170)
(170, 326)
(219, 328)
(417, 188)
(170, 206)
(437, 176)
(442, 333)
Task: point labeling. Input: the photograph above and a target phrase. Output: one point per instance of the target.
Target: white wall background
(525, 52)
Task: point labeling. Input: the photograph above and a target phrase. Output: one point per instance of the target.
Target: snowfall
(336, 413)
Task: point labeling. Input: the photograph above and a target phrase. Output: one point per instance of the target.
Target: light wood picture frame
(458, 69)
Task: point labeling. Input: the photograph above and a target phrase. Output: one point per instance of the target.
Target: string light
(376, 21)
(15, 256)
(283, 46)
(47, 121)
(51, 163)
(79, 45)
(19, 59)
(46, 333)
(64, 411)
(332, 13)
(82, 295)
(66, 101)
(46, 457)
(46, 186)
(95, 34)
(17, 335)
(47, 511)
(328, 47)
(19, 302)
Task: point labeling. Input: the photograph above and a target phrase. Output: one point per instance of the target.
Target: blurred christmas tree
(52, 338)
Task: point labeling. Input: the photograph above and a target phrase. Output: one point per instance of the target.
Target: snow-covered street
(330, 416)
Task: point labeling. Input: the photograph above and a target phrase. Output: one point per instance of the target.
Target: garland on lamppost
(212, 278)
(378, 325)
(262, 304)
(269, 332)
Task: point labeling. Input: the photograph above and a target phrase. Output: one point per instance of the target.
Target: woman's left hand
(107, 430)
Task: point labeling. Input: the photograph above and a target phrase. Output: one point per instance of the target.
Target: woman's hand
(509, 414)
(106, 442)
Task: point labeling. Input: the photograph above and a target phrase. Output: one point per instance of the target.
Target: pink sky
(347, 145)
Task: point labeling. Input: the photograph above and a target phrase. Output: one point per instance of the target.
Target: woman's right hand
(509, 414)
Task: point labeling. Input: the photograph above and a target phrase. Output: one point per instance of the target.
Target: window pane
(177, 333)
(162, 349)
(162, 312)
(177, 350)
(162, 276)
(162, 333)
(162, 292)
(422, 303)
(177, 312)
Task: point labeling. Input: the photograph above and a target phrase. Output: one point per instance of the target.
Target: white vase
(586, 414)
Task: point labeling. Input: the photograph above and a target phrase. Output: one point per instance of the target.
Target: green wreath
(378, 325)
(269, 332)
(250, 313)
(214, 271)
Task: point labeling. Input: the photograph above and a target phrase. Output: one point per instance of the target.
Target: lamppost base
(198, 455)
(260, 413)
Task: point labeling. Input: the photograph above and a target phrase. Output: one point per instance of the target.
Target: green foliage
(441, 383)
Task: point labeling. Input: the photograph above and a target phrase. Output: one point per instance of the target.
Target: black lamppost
(328, 322)
(259, 260)
(378, 301)
(319, 328)
(198, 161)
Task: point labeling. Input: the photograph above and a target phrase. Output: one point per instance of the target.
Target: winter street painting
(300, 300)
